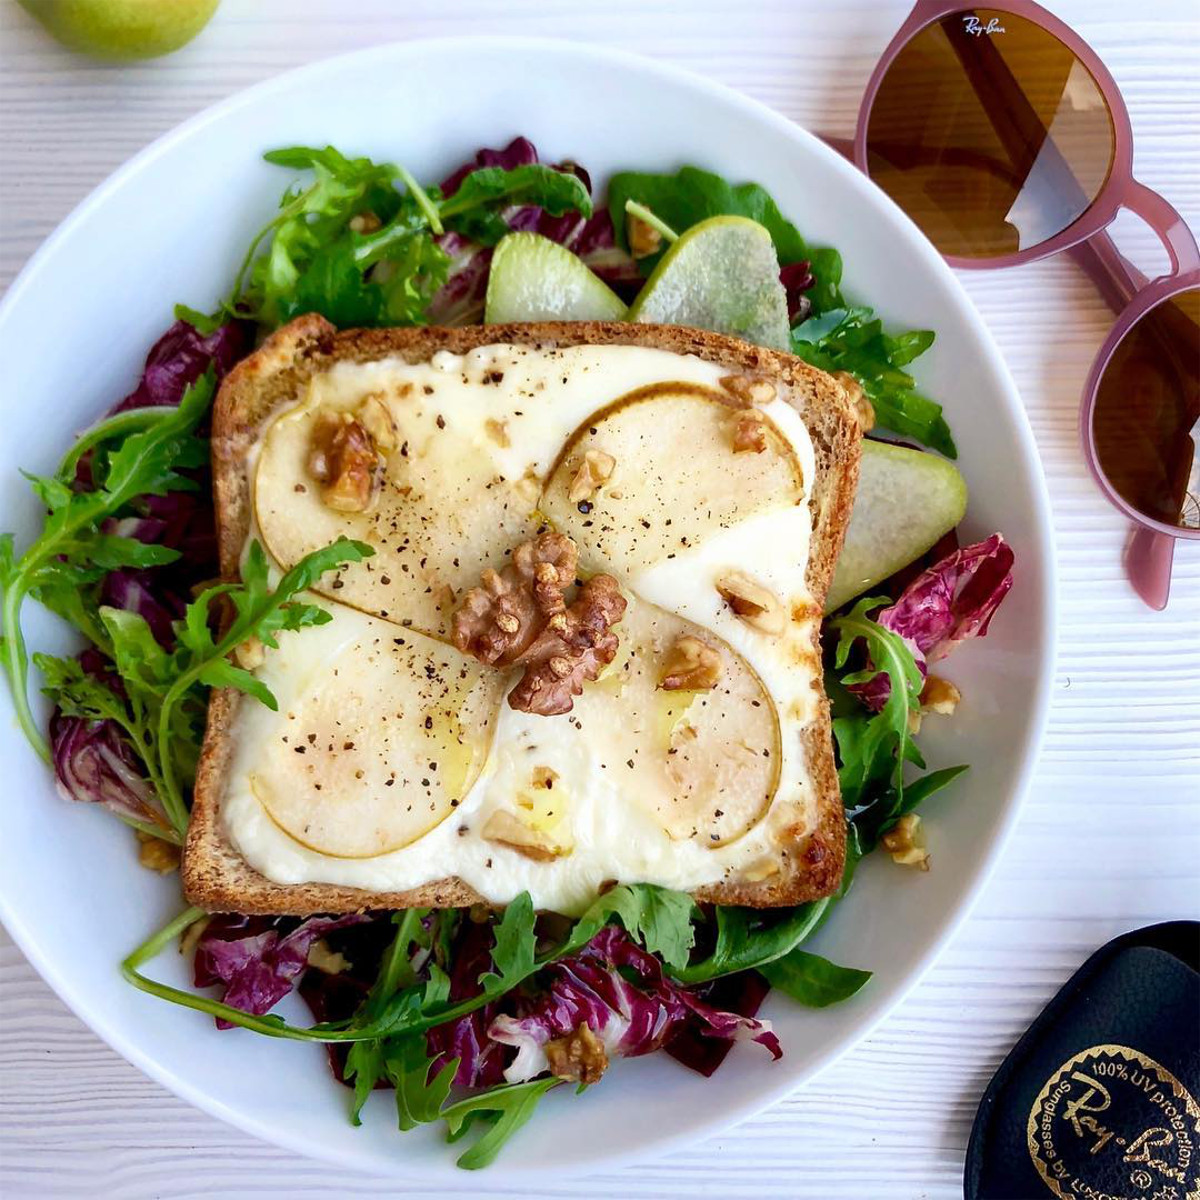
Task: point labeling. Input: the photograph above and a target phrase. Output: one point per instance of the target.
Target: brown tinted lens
(989, 133)
(1147, 414)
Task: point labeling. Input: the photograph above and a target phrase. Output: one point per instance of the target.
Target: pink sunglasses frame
(1149, 552)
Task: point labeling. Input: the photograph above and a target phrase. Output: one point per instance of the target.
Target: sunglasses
(1003, 136)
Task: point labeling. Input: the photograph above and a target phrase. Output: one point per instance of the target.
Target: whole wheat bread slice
(215, 876)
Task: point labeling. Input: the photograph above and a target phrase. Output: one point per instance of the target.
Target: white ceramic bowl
(170, 226)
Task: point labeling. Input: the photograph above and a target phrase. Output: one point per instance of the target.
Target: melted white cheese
(542, 397)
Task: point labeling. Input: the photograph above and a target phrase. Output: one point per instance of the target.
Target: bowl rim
(752, 109)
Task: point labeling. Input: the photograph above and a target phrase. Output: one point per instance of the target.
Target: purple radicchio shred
(259, 960)
(622, 994)
(950, 602)
(481, 1060)
(180, 357)
(460, 299)
(797, 278)
(95, 764)
(742, 994)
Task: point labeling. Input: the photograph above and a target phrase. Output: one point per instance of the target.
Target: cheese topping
(394, 760)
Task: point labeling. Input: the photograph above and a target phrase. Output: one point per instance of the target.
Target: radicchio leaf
(631, 1017)
(180, 357)
(259, 959)
(95, 764)
(952, 601)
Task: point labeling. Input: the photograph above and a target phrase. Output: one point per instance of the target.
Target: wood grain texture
(1108, 839)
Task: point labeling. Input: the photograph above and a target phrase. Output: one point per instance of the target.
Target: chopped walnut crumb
(156, 855)
(192, 935)
(505, 829)
(749, 432)
(498, 432)
(749, 390)
(691, 665)
(332, 962)
(375, 417)
(595, 470)
(905, 843)
(544, 777)
(249, 655)
(939, 696)
(579, 1057)
(365, 222)
(752, 602)
(643, 238)
(864, 410)
(343, 458)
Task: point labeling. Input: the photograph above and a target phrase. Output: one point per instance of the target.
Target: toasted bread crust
(215, 876)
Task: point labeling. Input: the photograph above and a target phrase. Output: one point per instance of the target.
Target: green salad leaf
(134, 454)
(507, 1107)
(874, 748)
(691, 195)
(853, 339)
(812, 980)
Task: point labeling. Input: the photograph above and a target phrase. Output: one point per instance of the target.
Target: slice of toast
(215, 876)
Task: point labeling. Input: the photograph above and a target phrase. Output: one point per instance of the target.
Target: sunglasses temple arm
(1148, 557)
(1117, 279)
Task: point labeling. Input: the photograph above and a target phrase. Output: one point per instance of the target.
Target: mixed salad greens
(470, 1016)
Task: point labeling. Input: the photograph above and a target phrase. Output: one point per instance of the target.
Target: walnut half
(342, 457)
(752, 602)
(519, 617)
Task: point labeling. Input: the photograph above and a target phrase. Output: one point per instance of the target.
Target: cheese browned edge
(215, 876)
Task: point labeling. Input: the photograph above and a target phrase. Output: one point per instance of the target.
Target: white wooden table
(1109, 839)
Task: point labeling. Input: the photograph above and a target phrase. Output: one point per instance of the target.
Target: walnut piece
(749, 432)
(250, 654)
(156, 855)
(575, 646)
(595, 471)
(939, 696)
(498, 620)
(579, 1057)
(498, 432)
(376, 418)
(342, 457)
(691, 665)
(749, 390)
(644, 239)
(864, 410)
(505, 829)
(905, 843)
(519, 617)
(752, 602)
(324, 958)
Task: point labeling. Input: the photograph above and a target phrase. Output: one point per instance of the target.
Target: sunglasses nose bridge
(1168, 226)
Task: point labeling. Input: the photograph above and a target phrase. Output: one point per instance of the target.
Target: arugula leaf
(659, 918)
(874, 748)
(812, 980)
(853, 340)
(63, 565)
(691, 196)
(751, 938)
(508, 1107)
(419, 1098)
(473, 210)
(513, 955)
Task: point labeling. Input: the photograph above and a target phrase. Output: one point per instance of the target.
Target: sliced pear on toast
(671, 477)
(368, 757)
(705, 763)
(444, 508)
(906, 500)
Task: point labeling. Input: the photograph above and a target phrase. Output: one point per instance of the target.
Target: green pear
(906, 500)
(535, 279)
(123, 29)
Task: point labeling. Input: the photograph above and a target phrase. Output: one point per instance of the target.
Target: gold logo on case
(1113, 1124)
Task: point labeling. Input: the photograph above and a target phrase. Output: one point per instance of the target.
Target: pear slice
(535, 279)
(368, 755)
(445, 507)
(723, 275)
(675, 479)
(704, 764)
(906, 500)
